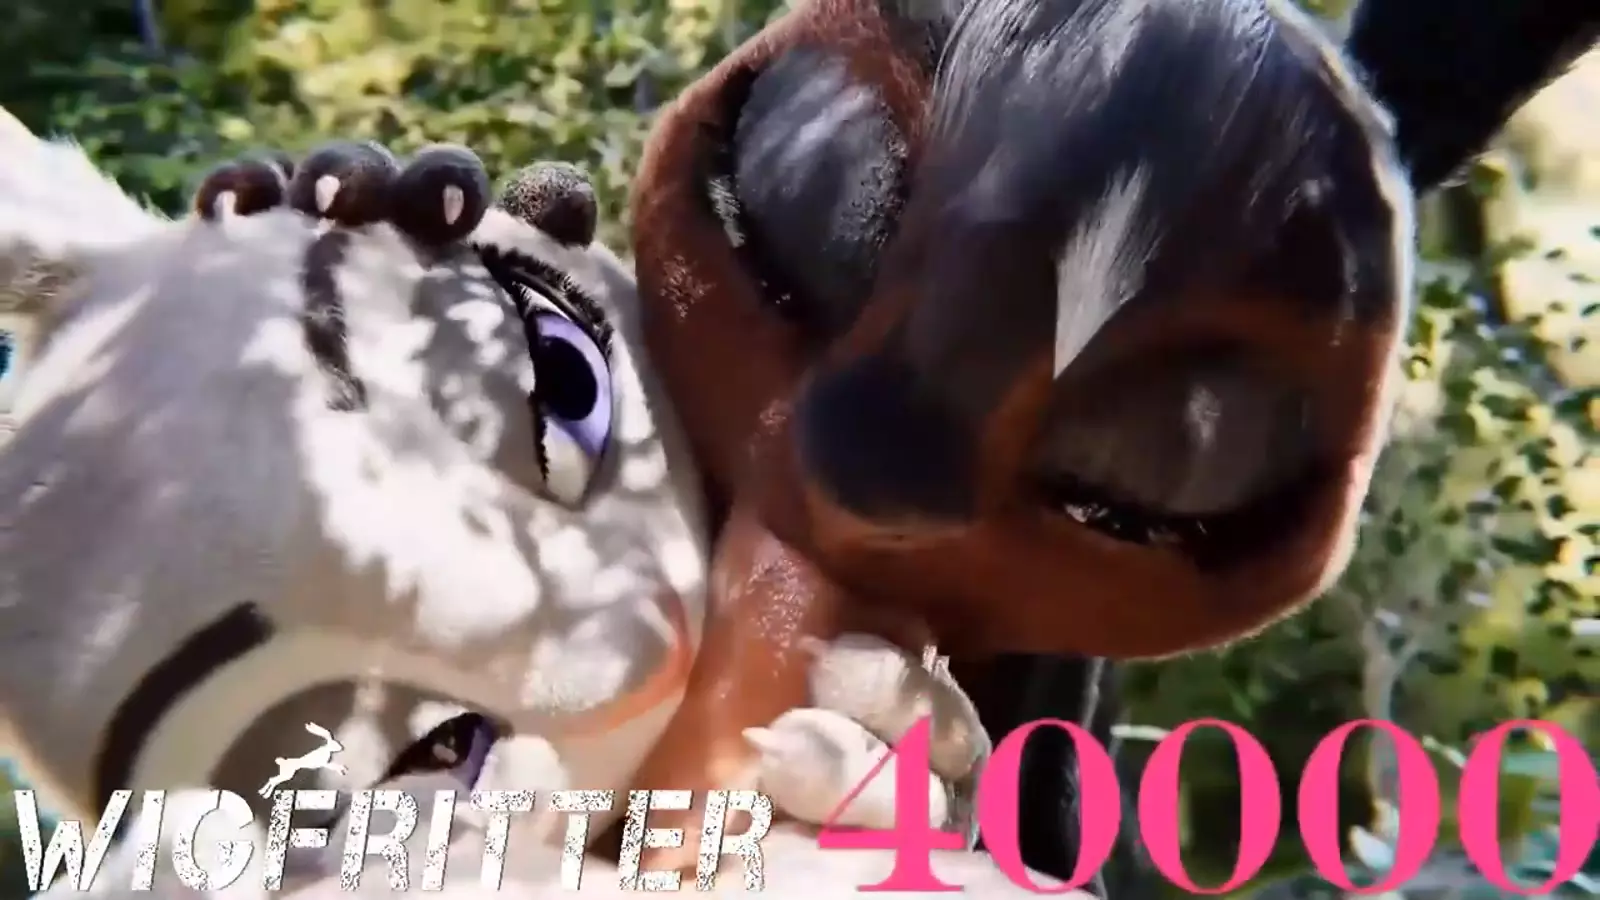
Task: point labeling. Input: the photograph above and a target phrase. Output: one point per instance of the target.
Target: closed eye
(1202, 453)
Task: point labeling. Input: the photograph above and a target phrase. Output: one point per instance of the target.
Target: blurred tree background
(1472, 596)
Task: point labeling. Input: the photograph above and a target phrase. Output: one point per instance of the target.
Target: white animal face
(201, 552)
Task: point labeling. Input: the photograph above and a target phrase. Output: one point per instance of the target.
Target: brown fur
(701, 303)
(793, 563)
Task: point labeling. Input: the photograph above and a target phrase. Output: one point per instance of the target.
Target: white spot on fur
(454, 202)
(725, 204)
(327, 190)
(1100, 268)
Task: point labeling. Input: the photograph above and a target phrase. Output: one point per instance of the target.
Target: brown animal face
(1078, 341)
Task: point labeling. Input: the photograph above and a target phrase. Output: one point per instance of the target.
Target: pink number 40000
(913, 841)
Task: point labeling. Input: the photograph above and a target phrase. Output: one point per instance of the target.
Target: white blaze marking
(1101, 267)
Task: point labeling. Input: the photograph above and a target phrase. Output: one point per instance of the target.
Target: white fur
(870, 681)
(811, 759)
(175, 456)
(1101, 267)
(56, 200)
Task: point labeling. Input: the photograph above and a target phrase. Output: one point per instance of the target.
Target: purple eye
(572, 390)
(460, 744)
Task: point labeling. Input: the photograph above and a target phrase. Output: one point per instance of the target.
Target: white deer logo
(320, 758)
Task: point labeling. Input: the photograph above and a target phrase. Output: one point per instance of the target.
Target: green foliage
(1476, 572)
(516, 80)
(1529, 853)
(1471, 598)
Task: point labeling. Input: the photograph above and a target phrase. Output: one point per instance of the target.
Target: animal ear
(57, 210)
(56, 204)
(1452, 73)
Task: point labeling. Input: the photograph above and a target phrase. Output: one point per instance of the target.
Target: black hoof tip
(242, 187)
(441, 195)
(556, 198)
(348, 183)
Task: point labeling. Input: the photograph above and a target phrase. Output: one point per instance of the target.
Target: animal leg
(754, 665)
(867, 692)
(437, 197)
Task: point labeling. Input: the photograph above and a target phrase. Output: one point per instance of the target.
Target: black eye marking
(716, 170)
(240, 631)
(804, 169)
(323, 320)
(819, 173)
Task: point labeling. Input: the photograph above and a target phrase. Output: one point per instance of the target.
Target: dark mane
(1227, 121)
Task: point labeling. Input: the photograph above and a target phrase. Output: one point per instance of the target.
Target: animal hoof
(243, 187)
(441, 195)
(345, 182)
(556, 198)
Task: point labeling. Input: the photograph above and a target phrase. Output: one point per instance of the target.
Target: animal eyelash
(539, 426)
(563, 290)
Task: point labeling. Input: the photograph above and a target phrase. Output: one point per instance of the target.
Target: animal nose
(882, 445)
